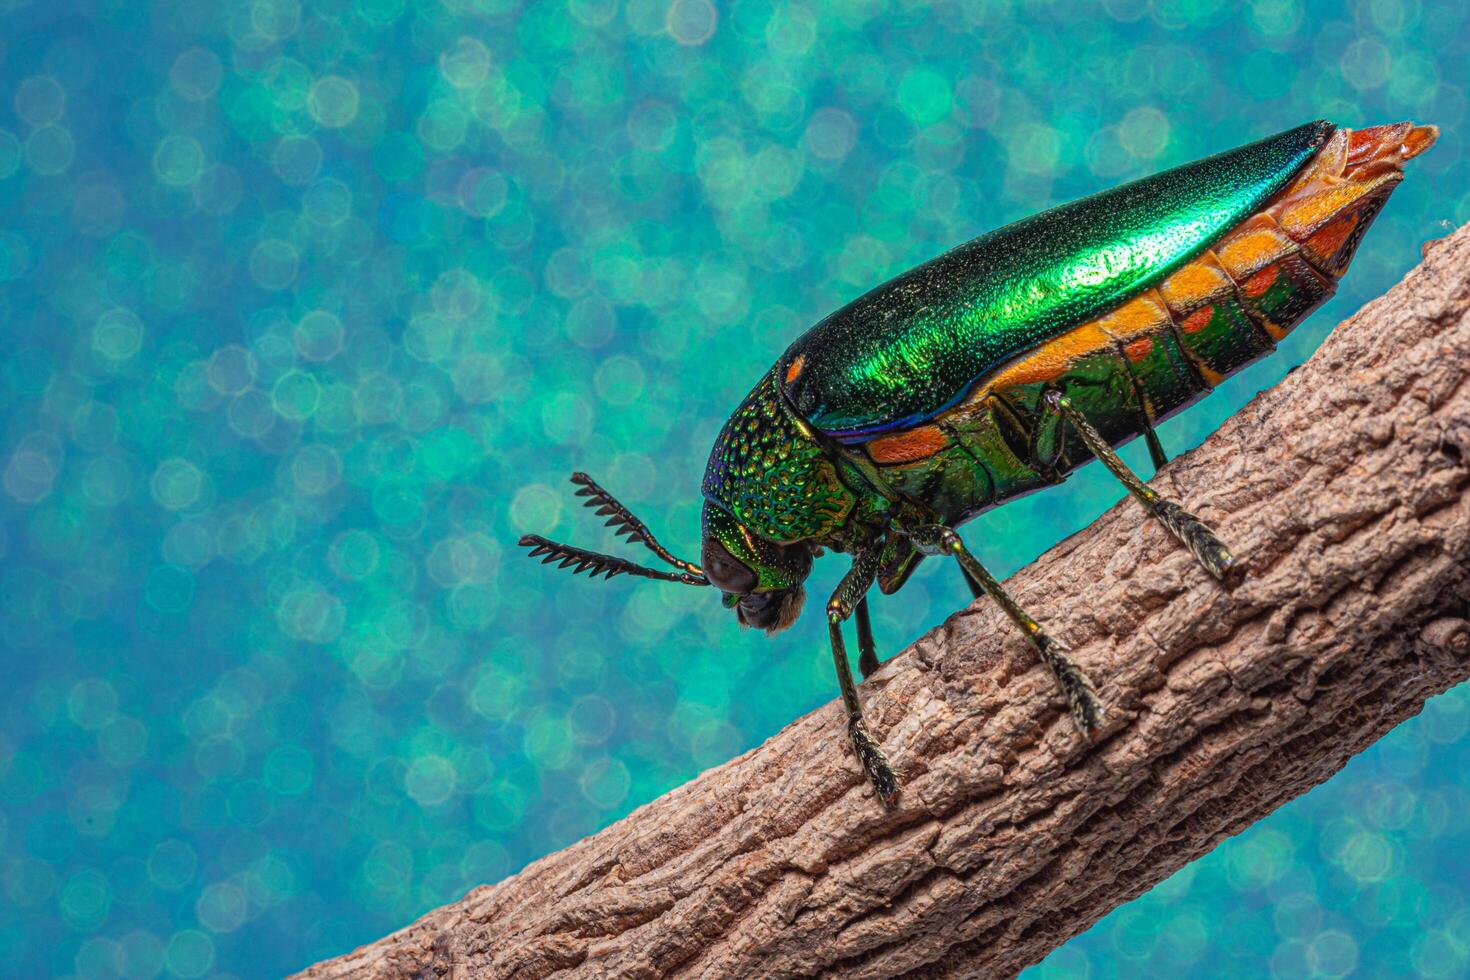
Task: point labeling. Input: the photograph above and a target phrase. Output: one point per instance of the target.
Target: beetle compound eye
(726, 572)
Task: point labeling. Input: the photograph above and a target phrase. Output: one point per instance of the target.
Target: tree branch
(1346, 489)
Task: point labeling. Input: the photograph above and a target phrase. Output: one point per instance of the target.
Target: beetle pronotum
(1002, 365)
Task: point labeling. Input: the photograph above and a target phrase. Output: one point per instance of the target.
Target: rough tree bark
(1347, 489)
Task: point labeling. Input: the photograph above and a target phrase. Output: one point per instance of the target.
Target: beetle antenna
(581, 560)
(627, 525)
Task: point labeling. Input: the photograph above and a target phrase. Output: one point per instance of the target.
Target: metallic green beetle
(1005, 363)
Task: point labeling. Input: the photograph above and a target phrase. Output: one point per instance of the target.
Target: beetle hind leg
(1193, 533)
(1087, 710)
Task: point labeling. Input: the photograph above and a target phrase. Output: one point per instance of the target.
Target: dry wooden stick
(1346, 488)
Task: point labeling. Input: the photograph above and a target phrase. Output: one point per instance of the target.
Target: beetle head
(761, 579)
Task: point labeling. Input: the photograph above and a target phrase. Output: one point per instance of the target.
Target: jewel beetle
(1000, 366)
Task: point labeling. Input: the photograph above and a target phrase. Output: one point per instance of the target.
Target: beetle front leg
(849, 595)
(867, 650)
(1087, 710)
(1193, 533)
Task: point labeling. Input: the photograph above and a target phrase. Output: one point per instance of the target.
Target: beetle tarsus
(1207, 549)
(1087, 709)
(875, 763)
(1191, 532)
(850, 595)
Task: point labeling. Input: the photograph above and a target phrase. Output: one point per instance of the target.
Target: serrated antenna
(627, 525)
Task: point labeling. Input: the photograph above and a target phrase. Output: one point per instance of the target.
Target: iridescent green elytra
(913, 346)
(1003, 364)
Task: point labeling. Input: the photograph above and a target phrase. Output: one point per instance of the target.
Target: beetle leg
(1087, 710)
(1155, 447)
(849, 595)
(976, 589)
(1190, 530)
(867, 650)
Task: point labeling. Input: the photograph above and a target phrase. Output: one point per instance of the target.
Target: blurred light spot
(1333, 953)
(466, 64)
(118, 334)
(169, 588)
(177, 483)
(178, 161)
(91, 703)
(50, 150)
(190, 953)
(333, 101)
(924, 95)
(605, 783)
(831, 134)
(196, 74)
(288, 770)
(29, 475)
(691, 22)
(40, 100)
(85, 899)
(430, 780)
(1144, 132)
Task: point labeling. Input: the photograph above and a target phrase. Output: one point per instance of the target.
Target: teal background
(307, 310)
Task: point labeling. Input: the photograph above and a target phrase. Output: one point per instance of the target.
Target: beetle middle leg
(1145, 418)
(1155, 447)
(851, 594)
(1193, 533)
(1087, 710)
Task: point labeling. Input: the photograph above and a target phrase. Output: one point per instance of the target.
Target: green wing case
(912, 347)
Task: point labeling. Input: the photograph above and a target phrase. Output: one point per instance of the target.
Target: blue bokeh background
(307, 309)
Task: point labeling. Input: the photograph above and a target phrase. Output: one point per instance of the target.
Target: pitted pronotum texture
(1345, 490)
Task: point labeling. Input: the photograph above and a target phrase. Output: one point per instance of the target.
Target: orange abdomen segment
(1284, 261)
